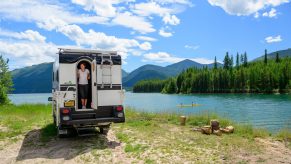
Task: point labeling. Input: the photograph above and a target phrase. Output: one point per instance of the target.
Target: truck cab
(105, 93)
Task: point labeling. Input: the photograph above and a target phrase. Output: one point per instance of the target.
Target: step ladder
(106, 67)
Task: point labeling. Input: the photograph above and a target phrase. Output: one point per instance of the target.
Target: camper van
(104, 91)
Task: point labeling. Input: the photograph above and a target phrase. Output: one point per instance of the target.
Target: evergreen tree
(266, 57)
(237, 60)
(241, 58)
(5, 81)
(215, 63)
(231, 61)
(277, 58)
(226, 61)
(245, 63)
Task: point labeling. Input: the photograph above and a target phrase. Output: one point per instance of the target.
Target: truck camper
(104, 93)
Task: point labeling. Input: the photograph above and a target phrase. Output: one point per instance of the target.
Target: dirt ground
(108, 149)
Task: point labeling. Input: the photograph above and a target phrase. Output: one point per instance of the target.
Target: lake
(261, 110)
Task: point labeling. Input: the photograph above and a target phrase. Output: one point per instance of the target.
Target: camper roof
(76, 51)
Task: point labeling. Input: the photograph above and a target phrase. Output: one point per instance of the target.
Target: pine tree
(237, 60)
(245, 63)
(215, 63)
(277, 58)
(5, 81)
(231, 61)
(226, 61)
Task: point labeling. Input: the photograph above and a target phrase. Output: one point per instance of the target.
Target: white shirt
(83, 76)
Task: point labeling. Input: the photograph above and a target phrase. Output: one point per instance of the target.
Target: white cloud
(184, 2)
(136, 23)
(245, 7)
(145, 46)
(146, 38)
(273, 39)
(257, 15)
(163, 57)
(31, 35)
(44, 13)
(272, 13)
(164, 33)
(150, 8)
(193, 47)
(171, 19)
(102, 8)
(99, 40)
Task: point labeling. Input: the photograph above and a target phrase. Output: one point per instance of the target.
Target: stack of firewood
(214, 128)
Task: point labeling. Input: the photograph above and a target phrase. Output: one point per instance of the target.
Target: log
(206, 130)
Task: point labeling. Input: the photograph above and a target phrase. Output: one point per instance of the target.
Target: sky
(159, 32)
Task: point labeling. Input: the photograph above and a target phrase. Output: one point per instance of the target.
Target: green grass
(146, 134)
(19, 119)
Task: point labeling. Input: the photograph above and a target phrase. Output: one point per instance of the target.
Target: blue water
(265, 111)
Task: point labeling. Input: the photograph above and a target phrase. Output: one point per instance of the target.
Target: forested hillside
(267, 76)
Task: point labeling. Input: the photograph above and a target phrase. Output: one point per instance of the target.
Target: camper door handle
(95, 84)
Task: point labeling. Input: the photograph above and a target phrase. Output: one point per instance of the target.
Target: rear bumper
(96, 121)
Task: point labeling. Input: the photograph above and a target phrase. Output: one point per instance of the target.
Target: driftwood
(206, 130)
(228, 129)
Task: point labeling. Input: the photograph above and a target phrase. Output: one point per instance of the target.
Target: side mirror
(50, 99)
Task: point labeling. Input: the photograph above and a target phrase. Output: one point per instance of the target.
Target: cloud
(171, 19)
(31, 35)
(245, 7)
(146, 38)
(44, 13)
(163, 57)
(272, 13)
(151, 8)
(145, 46)
(193, 47)
(137, 23)
(163, 33)
(273, 39)
(99, 40)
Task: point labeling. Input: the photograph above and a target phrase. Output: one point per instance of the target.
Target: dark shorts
(83, 91)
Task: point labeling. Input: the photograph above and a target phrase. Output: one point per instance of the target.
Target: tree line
(266, 76)
(5, 81)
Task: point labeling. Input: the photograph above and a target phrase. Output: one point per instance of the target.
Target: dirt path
(30, 149)
(273, 152)
(108, 149)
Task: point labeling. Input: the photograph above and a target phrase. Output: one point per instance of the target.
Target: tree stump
(214, 125)
(182, 120)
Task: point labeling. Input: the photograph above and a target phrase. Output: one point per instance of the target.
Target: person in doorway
(83, 76)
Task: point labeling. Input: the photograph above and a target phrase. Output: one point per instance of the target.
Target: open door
(94, 104)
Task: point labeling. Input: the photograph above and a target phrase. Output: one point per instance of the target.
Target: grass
(149, 137)
(19, 119)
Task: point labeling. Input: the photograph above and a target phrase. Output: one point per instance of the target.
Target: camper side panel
(67, 73)
(104, 72)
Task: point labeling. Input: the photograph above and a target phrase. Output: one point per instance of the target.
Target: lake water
(265, 111)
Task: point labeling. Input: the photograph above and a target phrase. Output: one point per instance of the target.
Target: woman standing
(83, 76)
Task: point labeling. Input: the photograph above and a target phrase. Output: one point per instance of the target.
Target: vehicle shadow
(34, 146)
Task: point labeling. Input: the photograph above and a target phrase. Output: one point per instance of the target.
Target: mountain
(37, 78)
(282, 54)
(33, 79)
(124, 73)
(158, 72)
